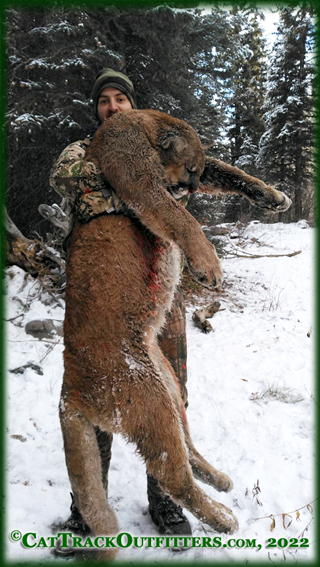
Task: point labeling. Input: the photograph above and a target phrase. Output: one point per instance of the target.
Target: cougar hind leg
(84, 469)
(152, 422)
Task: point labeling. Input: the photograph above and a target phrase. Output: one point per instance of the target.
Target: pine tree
(169, 56)
(287, 147)
(53, 57)
(246, 91)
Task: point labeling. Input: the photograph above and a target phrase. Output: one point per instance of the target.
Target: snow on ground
(251, 409)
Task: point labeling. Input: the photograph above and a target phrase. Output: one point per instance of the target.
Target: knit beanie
(110, 78)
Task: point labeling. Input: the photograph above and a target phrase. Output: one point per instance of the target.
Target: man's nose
(113, 106)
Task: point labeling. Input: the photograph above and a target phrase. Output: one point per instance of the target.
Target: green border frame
(8, 4)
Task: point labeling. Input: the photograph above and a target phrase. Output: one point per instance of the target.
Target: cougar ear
(173, 142)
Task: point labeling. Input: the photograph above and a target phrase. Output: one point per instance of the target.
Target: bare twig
(236, 253)
(33, 341)
(272, 516)
(50, 349)
(13, 318)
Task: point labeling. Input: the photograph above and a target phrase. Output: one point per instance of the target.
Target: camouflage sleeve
(70, 176)
(82, 183)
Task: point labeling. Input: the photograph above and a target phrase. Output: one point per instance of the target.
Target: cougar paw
(224, 483)
(225, 521)
(273, 200)
(207, 278)
(284, 205)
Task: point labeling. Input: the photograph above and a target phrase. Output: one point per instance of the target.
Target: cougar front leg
(174, 474)
(176, 478)
(220, 177)
(84, 469)
(201, 469)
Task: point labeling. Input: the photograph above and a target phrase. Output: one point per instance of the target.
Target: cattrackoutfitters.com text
(67, 540)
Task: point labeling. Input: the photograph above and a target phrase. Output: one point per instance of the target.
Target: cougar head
(183, 160)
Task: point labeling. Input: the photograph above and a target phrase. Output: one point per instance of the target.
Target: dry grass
(273, 298)
(275, 393)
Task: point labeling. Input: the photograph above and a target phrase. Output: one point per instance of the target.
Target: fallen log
(33, 256)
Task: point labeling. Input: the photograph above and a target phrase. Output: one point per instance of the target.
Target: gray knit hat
(110, 78)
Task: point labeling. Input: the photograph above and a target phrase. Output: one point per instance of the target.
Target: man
(89, 195)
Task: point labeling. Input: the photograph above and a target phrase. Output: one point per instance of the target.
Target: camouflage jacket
(83, 184)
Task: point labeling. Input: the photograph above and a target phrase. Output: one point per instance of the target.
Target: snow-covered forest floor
(251, 408)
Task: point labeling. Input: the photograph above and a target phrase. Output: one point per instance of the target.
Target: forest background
(256, 104)
(253, 104)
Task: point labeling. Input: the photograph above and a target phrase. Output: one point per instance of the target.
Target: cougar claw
(284, 205)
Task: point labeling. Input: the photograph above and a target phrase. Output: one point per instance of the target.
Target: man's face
(111, 101)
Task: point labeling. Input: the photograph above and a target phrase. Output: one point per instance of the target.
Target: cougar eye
(191, 169)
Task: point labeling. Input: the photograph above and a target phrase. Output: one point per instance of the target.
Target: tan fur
(220, 177)
(121, 276)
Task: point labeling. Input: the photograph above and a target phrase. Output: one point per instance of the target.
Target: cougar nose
(193, 187)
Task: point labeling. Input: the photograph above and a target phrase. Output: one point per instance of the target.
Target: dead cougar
(121, 276)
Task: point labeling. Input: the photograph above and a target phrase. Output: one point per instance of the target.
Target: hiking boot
(165, 513)
(74, 524)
